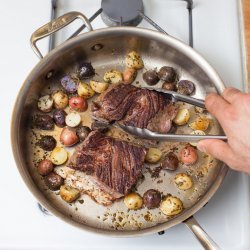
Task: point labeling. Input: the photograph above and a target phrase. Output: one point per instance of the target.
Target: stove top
(216, 35)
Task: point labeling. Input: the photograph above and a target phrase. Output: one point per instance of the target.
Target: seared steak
(136, 107)
(114, 165)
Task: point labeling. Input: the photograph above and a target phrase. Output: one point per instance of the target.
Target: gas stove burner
(121, 12)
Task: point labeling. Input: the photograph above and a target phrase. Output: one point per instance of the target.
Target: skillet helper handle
(190, 100)
(54, 26)
(200, 234)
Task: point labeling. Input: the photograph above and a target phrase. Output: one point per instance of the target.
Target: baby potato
(201, 123)
(188, 155)
(68, 137)
(45, 103)
(183, 181)
(182, 117)
(53, 181)
(129, 75)
(59, 156)
(196, 132)
(133, 201)
(84, 90)
(60, 99)
(134, 61)
(45, 167)
(98, 87)
(171, 205)
(153, 155)
(113, 76)
(69, 194)
(73, 119)
(78, 103)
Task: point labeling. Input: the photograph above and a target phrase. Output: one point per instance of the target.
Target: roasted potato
(170, 162)
(153, 155)
(69, 84)
(185, 87)
(53, 181)
(100, 125)
(45, 167)
(129, 75)
(82, 132)
(133, 201)
(167, 74)
(169, 86)
(45, 103)
(152, 198)
(196, 132)
(85, 70)
(182, 117)
(183, 181)
(68, 137)
(73, 119)
(59, 116)
(113, 76)
(78, 103)
(171, 205)
(134, 61)
(59, 156)
(201, 123)
(188, 155)
(47, 142)
(150, 77)
(69, 194)
(60, 99)
(44, 122)
(85, 91)
(98, 87)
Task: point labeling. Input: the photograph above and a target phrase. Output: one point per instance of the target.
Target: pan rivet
(50, 74)
(161, 232)
(97, 47)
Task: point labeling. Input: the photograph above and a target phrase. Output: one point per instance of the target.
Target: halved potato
(73, 119)
(99, 87)
(45, 103)
(60, 99)
(196, 132)
(69, 194)
(134, 61)
(59, 156)
(113, 76)
(201, 123)
(182, 117)
(84, 90)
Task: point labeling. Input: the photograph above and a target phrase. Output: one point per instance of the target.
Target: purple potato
(170, 162)
(53, 181)
(152, 198)
(59, 117)
(86, 70)
(69, 84)
(47, 143)
(167, 74)
(150, 77)
(185, 87)
(82, 132)
(44, 122)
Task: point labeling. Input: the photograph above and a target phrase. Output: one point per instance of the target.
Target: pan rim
(15, 121)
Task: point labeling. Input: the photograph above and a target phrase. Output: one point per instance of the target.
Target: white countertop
(22, 226)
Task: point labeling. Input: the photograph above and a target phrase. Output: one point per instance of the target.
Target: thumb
(218, 149)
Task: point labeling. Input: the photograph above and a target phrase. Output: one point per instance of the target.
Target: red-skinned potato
(188, 155)
(68, 137)
(129, 75)
(78, 103)
(45, 167)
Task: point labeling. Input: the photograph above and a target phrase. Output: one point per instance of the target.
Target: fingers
(218, 149)
(217, 106)
(231, 94)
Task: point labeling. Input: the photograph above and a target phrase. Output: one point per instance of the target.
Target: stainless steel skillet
(106, 49)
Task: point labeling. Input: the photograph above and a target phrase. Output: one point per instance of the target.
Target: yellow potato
(59, 156)
(153, 155)
(45, 103)
(134, 61)
(98, 87)
(171, 205)
(60, 99)
(133, 201)
(84, 90)
(69, 194)
(196, 132)
(183, 181)
(201, 123)
(182, 117)
(113, 76)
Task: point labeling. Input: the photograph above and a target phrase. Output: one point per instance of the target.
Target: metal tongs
(174, 97)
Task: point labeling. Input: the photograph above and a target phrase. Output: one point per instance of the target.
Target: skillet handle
(54, 26)
(200, 234)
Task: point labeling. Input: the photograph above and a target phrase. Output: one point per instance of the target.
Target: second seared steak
(136, 107)
(114, 164)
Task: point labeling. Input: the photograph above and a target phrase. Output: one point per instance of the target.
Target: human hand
(232, 110)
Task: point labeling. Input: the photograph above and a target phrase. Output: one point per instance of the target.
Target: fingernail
(201, 147)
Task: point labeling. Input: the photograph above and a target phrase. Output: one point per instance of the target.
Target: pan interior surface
(107, 50)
